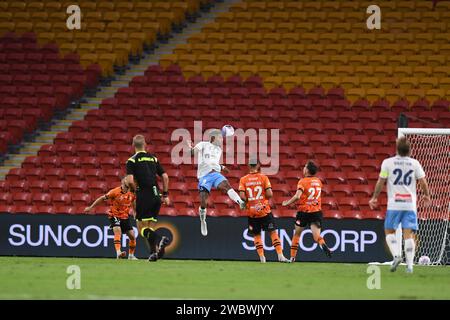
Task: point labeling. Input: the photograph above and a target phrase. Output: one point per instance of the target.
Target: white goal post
(431, 147)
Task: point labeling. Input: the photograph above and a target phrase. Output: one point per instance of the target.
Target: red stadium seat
(6, 199)
(184, 200)
(341, 191)
(370, 165)
(350, 165)
(20, 208)
(329, 165)
(369, 214)
(352, 214)
(77, 187)
(68, 162)
(47, 150)
(32, 162)
(332, 214)
(85, 150)
(81, 199)
(359, 141)
(344, 153)
(57, 186)
(41, 199)
(363, 191)
(87, 162)
(97, 188)
(362, 153)
(335, 178)
(18, 186)
(168, 211)
(73, 174)
(347, 204)
(44, 209)
(338, 141)
(329, 204)
(322, 153)
(60, 199)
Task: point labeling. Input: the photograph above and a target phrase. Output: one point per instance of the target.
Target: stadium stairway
(108, 91)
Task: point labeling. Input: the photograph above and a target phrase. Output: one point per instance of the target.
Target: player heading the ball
(209, 173)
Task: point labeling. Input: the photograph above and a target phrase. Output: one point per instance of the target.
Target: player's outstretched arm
(95, 203)
(293, 199)
(191, 146)
(373, 202)
(426, 191)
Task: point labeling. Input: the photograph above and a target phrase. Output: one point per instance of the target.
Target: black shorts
(124, 224)
(306, 219)
(255, 225)
(147, 205)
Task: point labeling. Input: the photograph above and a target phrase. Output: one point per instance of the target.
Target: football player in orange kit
(121, 200)
(255, 189)
(309, 212)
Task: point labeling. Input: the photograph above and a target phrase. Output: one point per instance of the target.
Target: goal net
(431, 147)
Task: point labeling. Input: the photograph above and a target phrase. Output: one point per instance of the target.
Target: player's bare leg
(259, 247)
(410, 249)
(204, 195)
(295, 241)
(225, 187)
(132, 245)
(117, 237)
(318, 238)
(394, 247)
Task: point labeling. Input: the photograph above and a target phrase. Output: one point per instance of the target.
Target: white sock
(410, 251)
(234, 196)
(202, 212)
(392, 243)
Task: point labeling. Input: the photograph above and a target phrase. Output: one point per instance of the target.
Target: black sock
(152, 238)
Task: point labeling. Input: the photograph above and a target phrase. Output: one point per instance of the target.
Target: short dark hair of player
(139, 141)
(312, 168)
(254, 164)
(403, 147)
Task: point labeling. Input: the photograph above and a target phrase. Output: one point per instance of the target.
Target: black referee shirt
(144, 167)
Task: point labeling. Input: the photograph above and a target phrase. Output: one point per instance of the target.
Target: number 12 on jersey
(251, 192)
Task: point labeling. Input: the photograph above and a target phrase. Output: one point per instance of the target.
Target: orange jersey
(255, 185)
(120, 203)
(310, 200)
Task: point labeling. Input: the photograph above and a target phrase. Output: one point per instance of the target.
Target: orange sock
(294, 246)
(132, 247)
(259, 245)
(320, 241)
(276, 242)
(117, 241)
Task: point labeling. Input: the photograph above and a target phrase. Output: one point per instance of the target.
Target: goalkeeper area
(47, 278)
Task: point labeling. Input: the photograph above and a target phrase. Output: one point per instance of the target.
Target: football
(227, 130)
(424, 261)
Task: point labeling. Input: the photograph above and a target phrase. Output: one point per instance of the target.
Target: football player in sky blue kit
(401, 174)
(209, 173)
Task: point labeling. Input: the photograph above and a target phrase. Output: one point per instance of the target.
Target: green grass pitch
(45, 278)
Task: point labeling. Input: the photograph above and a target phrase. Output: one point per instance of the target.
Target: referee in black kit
(142, 169)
